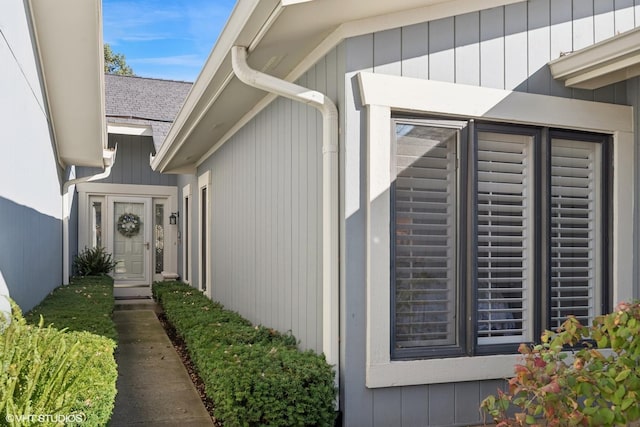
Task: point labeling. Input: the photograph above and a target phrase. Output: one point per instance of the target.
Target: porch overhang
(609, 61)
(68, 36)
(284, 38)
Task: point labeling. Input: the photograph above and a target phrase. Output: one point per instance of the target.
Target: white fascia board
(609, 61)
(68, 36)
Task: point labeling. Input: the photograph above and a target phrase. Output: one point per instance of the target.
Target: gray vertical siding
(506, 48)
(30, 189)
(132, 163)
(266, 206)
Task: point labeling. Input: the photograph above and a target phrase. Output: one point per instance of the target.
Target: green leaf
(623, 375)
(530, 419)
(626, 403)
(607, 415)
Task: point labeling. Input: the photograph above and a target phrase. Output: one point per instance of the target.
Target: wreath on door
(129, 224)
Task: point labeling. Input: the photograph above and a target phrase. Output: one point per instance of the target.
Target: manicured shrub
(50, 377)
(93, 262)
(253, 374)
(86, 304)
(571, 380)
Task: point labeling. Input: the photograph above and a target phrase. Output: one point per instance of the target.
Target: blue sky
(167, 39)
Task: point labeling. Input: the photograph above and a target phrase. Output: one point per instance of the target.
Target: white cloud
(190, 60)
(165, 39)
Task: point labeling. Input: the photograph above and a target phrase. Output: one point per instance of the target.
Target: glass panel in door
(158, 237)
(129, 248)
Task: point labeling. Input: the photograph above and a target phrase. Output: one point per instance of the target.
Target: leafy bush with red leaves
(578, 376)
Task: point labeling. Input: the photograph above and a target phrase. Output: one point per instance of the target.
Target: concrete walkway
(154, 388)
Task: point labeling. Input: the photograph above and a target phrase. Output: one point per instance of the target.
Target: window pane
(96, 224)
(504, 243)
(575, 210)
(159, 238)
(424, 209)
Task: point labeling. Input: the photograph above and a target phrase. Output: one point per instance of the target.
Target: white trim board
(204, 183)
(187, 235)
(383, 94)
(129, 129)
(457, 100)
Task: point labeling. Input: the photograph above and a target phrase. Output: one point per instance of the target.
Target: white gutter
(109, 159)
(330, 191)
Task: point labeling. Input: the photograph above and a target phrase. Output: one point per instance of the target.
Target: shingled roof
(144, 101)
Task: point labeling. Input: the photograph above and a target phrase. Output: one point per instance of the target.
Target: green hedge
(86, 304)
(67, 367)
(51, 377)
(254, 375)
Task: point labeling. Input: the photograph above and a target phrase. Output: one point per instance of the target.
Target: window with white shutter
(424, 215)
(504, 230)
(575, 230)
(497, 233)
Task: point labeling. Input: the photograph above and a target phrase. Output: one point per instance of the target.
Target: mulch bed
(181, 349)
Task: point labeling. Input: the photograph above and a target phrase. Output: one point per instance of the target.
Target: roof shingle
(144, 101)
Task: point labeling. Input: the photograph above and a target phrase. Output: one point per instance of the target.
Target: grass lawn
(86, 304)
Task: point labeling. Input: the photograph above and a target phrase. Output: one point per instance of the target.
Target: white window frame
(187, 204)
(204, 183)
(382, 94)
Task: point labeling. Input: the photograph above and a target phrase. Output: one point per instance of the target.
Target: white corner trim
(383, 94)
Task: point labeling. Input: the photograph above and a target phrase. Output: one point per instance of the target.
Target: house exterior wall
(266, 206)
(131, 167)
(505, 48)
(132, 163)
(30, 194)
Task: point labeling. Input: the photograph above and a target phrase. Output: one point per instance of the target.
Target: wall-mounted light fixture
(173, 218)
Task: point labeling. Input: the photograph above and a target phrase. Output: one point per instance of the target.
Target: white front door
(129, 239)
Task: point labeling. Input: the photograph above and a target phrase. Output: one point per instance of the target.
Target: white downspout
(109, 158)
(330, 191)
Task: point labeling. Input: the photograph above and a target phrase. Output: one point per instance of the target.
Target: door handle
(146, 245)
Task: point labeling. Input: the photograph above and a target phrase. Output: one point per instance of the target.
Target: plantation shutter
(504, 233)
(424, 214)
(575, 211)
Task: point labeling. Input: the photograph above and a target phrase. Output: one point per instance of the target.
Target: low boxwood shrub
(578, 376)
(86, 304)
(254, 375)
(51, 377)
